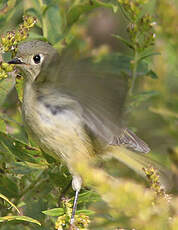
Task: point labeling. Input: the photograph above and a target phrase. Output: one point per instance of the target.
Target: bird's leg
(74, 207)
(76, 185)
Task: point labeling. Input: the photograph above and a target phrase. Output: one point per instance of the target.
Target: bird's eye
(37, 59)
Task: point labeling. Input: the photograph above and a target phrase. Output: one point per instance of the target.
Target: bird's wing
(102, 96)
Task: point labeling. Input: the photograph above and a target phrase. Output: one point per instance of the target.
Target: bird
(70, 107)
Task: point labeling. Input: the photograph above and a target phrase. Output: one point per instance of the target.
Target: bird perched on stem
(71, 109)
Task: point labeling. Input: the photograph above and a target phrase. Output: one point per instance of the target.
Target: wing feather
(102, 97)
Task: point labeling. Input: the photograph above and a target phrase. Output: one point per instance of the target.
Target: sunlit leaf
(165, 112)
(22, 218)
(6, 199)
(54, 212)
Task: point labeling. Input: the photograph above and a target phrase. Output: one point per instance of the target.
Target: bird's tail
(137, 162)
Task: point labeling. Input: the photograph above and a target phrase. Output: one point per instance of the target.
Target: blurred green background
(33, 182)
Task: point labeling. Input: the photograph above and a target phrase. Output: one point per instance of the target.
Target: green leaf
(52, 24)
(9, 186)
(2, 126)
(23, 218)
(6, 199)
(88, 197)
(86, 212)
(142, 68)
(9, 13)
(19, 88)
(35, 36)
(164, 112)
(137, 99)
(152, 74)
(127, 43)
(148, 55)
(22, 151)
(25, 168)
(32, 5)
(8, 6)
(54, 212)
(5, 87)
(77, 10)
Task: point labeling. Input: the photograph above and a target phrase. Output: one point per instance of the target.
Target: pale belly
(58, 130)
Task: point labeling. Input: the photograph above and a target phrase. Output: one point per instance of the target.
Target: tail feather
(138, 161)
(130, 140)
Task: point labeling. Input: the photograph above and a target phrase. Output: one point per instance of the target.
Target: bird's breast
(56, 126)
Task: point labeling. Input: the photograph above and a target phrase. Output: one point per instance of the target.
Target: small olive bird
(71, 107)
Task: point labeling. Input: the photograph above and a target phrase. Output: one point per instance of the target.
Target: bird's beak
(15, 61)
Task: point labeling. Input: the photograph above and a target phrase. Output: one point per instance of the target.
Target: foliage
(32, 184)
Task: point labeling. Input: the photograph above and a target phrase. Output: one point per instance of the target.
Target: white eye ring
(37, 59)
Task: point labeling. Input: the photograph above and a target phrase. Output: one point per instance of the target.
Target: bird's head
(34, 56)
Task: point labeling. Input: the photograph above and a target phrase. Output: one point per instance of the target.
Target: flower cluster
(153, 177)
(133, 7)
(4, 68)
(63, 222)
(141, 27)
(10, 40)
(142, 32)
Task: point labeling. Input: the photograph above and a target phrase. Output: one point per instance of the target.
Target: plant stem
(134, 72)
(44, 24)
